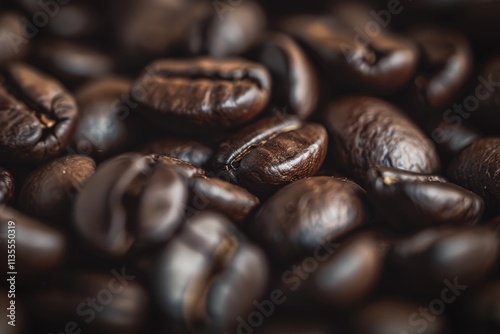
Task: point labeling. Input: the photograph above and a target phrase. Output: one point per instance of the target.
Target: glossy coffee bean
(383, 63)
(271, 153)
(369, 132)
(38, 116)
(348, 275)
(192, 151)
(216, 195)
(151, 28)
(409, 201)
(310, 212)
(395, 316)
(446, 65)
(13, 46)
(450, 137)
(202, 94)
(434, 258)
(93, 303)
(476, 168)
(39, 248)
(72, 63)
(197, 296)
(132, 200)
(48, 192)
(229, 31)
(295, 81)
(6, 186)
(106, 124)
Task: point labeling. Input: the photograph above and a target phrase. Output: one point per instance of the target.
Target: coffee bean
(107, 124)
(132, 200)
(452, 138)
(396, 316)
(192, 151)
(48, 192)
(13, 46)
(409, 201)
(430, 258)
(6, 186)
(229, 32)
(382, 63)
(202, 94)
(445, 66)
(476, 168)
(38, 116)
(295, 81)
(39, 248)
(310, 212)
(348, 275)
(72, 63)
(195, 296)
(271, 153)
(94, 303)
(368, 132)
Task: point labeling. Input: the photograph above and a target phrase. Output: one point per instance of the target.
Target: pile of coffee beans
(250, 167)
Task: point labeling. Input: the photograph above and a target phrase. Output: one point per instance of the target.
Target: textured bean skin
(195, 297)
(409, 200)
(310, 212)
(48, 191)
(132, 200)
(369, 132)
(384, 64)
(33, 135)
(426, 259)
(477, 168)
(447, 65)
(124, 312)
(222, 93)
(294, 78)
(271, 153)
(192, 151)
(39, 248)
(6, 186)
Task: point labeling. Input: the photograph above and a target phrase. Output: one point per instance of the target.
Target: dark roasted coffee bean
(229, 32)
(294, 78)
(434, 257)
(37, 116)
(71, 62)
(13, 46)
(408, 200)
(348, 275)
(395, 316)
(369, 132)
(446, 65)
(106, 123)
(180, 166)
(39, 248)
(132, 200)
(452, 138)
(150, 28)
(477, 169)
(95, 303)
(213, 194)
(48, 192)
(195, 296)
(6, 186)
(271, 153)
(192, 151)
(307, 213)
(383, 63)
(202, 94)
